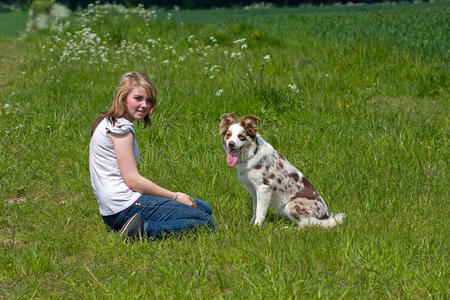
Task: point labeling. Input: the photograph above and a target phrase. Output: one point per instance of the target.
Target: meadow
(357, 97)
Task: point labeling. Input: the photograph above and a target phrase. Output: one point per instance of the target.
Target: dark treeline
(192, 4)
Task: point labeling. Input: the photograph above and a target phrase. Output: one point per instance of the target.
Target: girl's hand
(185, 199)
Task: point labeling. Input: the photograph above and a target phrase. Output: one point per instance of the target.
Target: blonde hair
(126, 84)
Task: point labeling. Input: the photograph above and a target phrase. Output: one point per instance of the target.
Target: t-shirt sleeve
(121, 127)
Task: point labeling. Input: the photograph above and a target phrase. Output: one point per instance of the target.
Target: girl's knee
(203, 206)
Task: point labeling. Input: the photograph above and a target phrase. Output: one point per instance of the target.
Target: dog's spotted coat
(269, 177)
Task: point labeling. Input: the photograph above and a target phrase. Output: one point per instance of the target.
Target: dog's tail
(329, 222)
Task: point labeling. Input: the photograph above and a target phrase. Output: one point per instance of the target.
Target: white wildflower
(239, 41)
(219, 92)
(41, 21)
(214, 68)
(59, 11)
(267, 57)
(244, 46)
(293, 88)
(261, 5)
(166, 61)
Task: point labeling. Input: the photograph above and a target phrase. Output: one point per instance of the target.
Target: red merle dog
(269, 177)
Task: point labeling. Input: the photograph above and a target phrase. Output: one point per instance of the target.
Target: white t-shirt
(112, 194)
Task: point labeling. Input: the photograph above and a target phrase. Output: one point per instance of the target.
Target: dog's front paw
(259, 222)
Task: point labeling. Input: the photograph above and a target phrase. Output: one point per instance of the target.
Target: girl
(128, 201)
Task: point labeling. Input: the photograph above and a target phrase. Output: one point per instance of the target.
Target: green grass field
(12, 23)
(367, 122)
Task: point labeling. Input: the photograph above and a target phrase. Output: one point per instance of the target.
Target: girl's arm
(123, 148)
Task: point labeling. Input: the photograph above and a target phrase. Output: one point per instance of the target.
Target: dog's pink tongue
(232, 158)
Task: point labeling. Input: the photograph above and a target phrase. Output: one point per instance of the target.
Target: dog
(269, 178)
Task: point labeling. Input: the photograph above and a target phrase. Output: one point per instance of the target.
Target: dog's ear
(226, 121)
(250, 124)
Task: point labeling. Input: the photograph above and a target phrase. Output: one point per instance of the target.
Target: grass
(368, 126)
(12, 23)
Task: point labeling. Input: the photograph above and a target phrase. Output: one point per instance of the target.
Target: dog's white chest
(250, 172)
(245, 177)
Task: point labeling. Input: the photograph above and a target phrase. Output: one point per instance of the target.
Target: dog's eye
(242, 137)
(227, 135)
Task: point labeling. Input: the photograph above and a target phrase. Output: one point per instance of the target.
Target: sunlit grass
(355, 98)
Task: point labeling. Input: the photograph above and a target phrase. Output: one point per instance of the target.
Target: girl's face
(137, 103)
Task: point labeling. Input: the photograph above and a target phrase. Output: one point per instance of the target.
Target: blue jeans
(163, 216)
